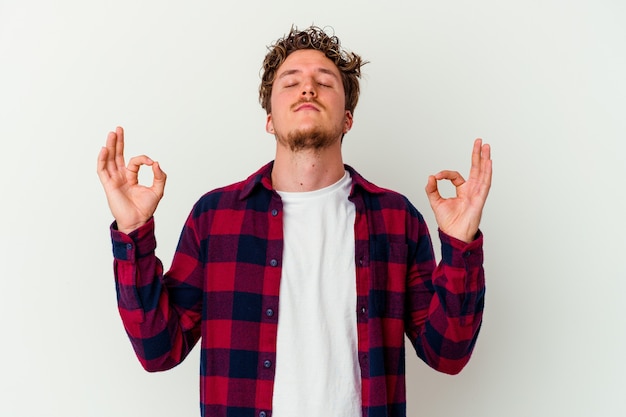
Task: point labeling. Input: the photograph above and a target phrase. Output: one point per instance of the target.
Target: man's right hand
(131, 203)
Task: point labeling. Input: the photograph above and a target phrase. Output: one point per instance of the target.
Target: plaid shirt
(223, 289)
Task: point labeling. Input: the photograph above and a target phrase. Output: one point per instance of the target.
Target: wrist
(127, 228)
(466, 236)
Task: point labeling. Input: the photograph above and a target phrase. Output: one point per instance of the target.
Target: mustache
(307, 101)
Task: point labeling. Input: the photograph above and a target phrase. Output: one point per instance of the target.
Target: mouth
(306, 106)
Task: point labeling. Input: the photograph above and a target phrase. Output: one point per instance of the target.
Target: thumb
(432, 192)
(159, 178)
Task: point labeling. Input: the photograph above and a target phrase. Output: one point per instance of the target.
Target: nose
(308, 89)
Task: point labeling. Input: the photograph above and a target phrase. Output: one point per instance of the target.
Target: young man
(302, 280)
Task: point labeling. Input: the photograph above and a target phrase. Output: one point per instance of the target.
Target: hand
(460, 216)
(131, 204)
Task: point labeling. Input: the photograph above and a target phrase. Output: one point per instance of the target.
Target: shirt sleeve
(160, 312)
(446, 303)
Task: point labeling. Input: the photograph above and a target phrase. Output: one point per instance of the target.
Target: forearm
(153, 324)
(444, 332)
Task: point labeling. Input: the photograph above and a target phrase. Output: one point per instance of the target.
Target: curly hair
(348, 63)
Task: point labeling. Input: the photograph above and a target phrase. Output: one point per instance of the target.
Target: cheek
(279, 102)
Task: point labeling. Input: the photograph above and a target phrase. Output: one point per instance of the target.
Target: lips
(307, 105)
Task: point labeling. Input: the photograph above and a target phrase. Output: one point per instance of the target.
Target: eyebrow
(295, 71)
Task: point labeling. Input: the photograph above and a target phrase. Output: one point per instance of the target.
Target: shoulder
(240, 195)
(379, 198)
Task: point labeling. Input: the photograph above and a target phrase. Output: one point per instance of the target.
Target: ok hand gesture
(460, 216)
(131, 204)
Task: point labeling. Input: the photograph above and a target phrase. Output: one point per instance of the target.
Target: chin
(313, 138)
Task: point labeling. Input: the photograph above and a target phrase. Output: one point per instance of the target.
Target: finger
(482, 170)
(134, 164)
(108, 155)
(453, 176)
(159, 178)
(111, 145)
(137, 161)
(485, 151)
(486, 165)
(119, 148)
(476, 158)
(432, 192)
(101, 167)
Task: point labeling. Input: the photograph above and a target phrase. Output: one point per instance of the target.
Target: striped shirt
(223, 289)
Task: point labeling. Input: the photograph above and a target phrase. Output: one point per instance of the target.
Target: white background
(542, 81)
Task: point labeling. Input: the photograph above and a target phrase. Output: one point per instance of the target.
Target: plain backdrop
(542, 81)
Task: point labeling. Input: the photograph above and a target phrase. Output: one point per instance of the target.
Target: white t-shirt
(317, 367)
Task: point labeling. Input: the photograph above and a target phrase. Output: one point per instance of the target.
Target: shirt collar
(263, 178)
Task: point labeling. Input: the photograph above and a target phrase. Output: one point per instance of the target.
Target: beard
(313, 138)
(310, 139)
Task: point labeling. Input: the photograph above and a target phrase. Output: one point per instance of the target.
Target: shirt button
(262, 414)
(129, 246)
(363, 310)
(274, 212)
(273, 262)
(269, 312)
(267, 364)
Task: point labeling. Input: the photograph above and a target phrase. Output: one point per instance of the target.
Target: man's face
(308, 102)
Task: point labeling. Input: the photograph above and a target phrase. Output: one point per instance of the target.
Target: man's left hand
(460, 216)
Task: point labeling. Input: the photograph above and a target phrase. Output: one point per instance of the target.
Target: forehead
(308, 59)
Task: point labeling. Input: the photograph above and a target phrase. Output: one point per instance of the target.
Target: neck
(308, 169)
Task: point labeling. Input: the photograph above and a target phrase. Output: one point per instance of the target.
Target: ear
(269, 125)
(347, 122)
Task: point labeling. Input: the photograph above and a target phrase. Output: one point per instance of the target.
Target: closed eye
(289, 83)
(325, 81)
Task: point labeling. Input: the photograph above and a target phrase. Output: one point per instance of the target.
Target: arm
(131, 204)
(159, 311)
(446, 303)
